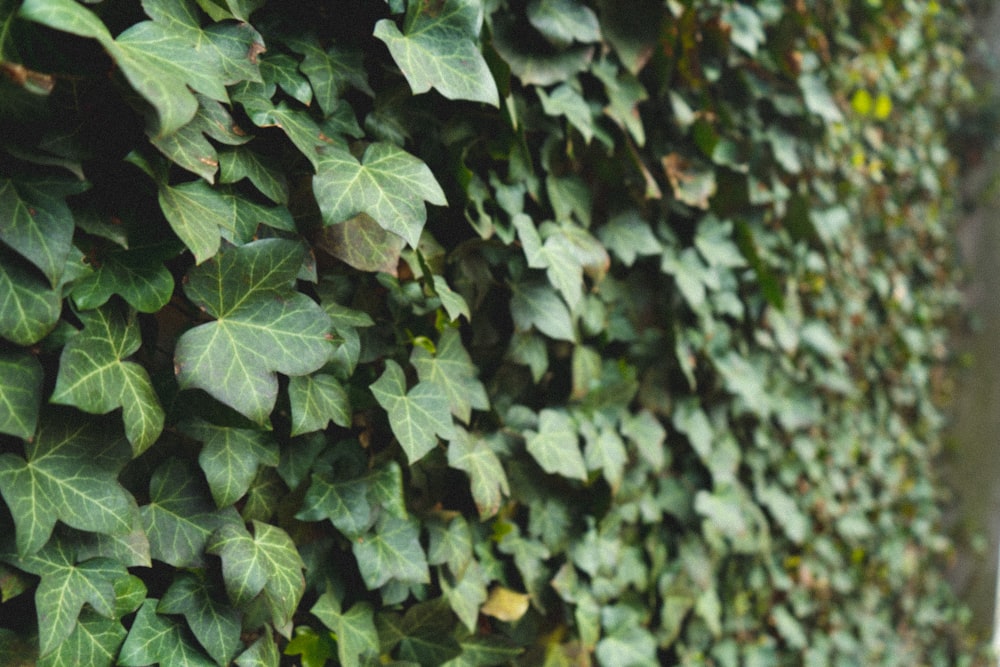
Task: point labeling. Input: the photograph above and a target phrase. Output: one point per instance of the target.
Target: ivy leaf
(488, 480)
(317, 400)
(388, 184)
(556, 445)
(538, 305)
(66, 586)
(29, 308)
(357, 639)
(427, 629)
(481, 650)
(283, 70)
(262, 653)
(330, 71)
(563, 22)
(451, 370)
(37, 224)
(189, 148)
(239, 163)
(353, 505)
(266, 564)
(20, 393)
(450, 543)
(230, 457)
(362, 243)
(393, 552)
(137, 275)
(262, 326)
(156, 639)
(565, 100)
(95, 640)
(215, 624)
(179, 518)
(94, 376)
(196, 212)
(631, 645)
(417, 417)
(68, 474)
(439, 50)
(314, 649)
(468, 594)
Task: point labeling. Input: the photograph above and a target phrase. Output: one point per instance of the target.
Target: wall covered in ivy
(476, 332)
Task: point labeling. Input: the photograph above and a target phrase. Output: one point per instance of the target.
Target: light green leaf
(69, 475)
(263, 325)
(230, 457)
(137, 276)
(439, 50)
(180, 517)
(625, 92)
(37, 224)
(20, 393)
(605, 451)
(353, 505)
(266, 563)
(29, 308)
(391, 552)
(362, 243)
(450, 543)
(646, 432)
(563, 22)
(556, 445)
(262, 653)
(215, 625)
(418, 416)
(66, 586)
(468, 594)
(196, 212)
(95, 642)
(470, 453)
(94, 376)
(451, 370)
(388, 184)
(746, 27)
(714, 240)
(155, 639)
(630, 646)
(239, 163)
(565, 100)
(528, 348)
(316, 401)
(538, 305)
(454, 303)
(818, 98)
(283, 71)
(357, 639)
(189, 148)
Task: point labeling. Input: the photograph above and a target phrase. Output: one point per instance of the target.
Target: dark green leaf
(427, 634)
(330, 71)
(439, 50)
(138, 277)
(316, 401)
(353, 505)
(68, 474)
(20, 393)
(189, 148)
(357, 640)
(451, 370)
(155, 639)
(37, 223)
(362, 243)
(239, 163)
(94, 376)
(230, 457)
(29, 308)
(539, 306)
(262, 326)
(470, 453)
(391, 552)
(215, 624)
(262, 653)
(388, 184)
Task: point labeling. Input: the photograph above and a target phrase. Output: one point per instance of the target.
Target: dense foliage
(474, 332)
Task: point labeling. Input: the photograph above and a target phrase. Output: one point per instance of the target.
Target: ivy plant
(475, 332)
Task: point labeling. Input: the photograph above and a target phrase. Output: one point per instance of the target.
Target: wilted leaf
(439, 50)
(506, 605)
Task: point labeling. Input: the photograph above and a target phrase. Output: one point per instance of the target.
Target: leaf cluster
(475, 332)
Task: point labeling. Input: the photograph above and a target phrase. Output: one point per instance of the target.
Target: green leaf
(94, 376)
(450, 543)
(418, 416)
(316, 401)
(283, 70)
(239, 163)
(155, 639)
(485, 651)
(362, 243)
(263, 325)
(138, 276)
(556, 445)
(388, 184)
(314, 649)
(68, 474)
(565, 100)
(330, 71)
(20, 393)
(353, 505)
(189, 148)
(625, 92)
(262, 653)
(563, 22)
(196, 212)
(746, 27)
(631, 646)
(29, 308)
(451, 370)
(470, 453)
(818, 99)
(180, 517)
(66, 586)
(357, 639)
(230, 457)
(265, 564)
(692, 184)
(215, 624)
(648, 435)
(94, 641)
(37, 224)
(605, 451)
(538, 305)
(439, 50)
(714, 240)
(391, 552)
(427, 629)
